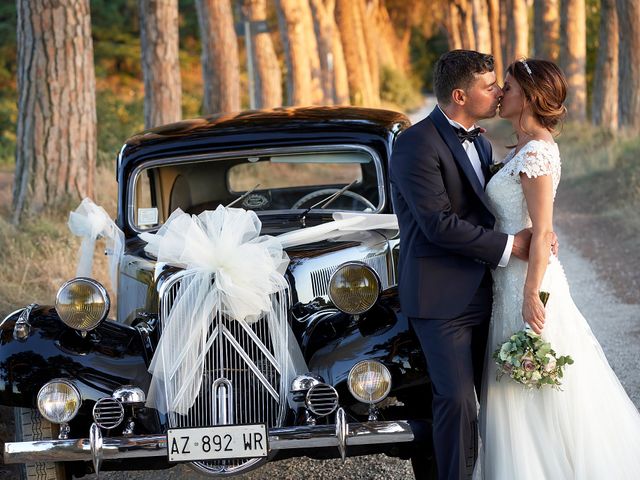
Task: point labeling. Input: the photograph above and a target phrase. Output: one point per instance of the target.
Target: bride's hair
(544, 86)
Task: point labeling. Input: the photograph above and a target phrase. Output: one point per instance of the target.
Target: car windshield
(274, 182)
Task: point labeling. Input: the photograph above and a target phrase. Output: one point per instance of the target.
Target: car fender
(104, 359)
(381, 334)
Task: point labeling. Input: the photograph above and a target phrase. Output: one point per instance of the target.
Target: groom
(439, 169)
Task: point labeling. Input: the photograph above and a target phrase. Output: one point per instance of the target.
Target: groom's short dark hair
(456, 69)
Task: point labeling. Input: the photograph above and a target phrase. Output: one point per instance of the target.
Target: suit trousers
(455, 350)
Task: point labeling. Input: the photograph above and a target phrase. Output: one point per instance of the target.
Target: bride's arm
(538, 192)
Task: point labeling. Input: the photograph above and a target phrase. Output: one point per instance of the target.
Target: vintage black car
(78, 380)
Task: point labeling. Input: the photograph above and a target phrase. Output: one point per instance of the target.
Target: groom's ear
(458, 96)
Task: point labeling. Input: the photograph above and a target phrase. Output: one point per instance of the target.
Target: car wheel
(30, 426)
(424, 467)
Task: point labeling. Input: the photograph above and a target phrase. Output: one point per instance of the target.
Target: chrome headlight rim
(101, 289)
(75, 389)
(354, 263)
(360, 398)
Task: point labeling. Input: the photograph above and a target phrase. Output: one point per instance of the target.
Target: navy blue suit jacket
(447, 237)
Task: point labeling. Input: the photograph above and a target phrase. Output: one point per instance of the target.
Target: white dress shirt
(474, 158)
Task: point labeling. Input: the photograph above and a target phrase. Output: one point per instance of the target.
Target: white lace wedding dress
(590, 429)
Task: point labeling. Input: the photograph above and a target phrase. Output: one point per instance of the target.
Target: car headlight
(59, 401)
(369, 381)
(354, 288)
(82, 303)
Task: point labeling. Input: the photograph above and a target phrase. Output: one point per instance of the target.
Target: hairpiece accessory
(526, 67)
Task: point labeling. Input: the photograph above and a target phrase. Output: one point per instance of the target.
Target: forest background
(401, 40)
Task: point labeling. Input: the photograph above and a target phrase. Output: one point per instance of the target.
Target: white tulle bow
(232, 271)
(91, 222)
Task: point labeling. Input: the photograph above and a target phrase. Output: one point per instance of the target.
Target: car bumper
(338, 435)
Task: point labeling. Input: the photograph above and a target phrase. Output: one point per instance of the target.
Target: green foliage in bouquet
(528, 359)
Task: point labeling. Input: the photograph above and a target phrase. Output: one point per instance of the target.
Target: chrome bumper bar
(339, 435)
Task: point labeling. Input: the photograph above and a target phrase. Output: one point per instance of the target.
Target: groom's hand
(521, 244)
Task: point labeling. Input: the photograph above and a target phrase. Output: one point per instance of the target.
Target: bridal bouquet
(529, 360)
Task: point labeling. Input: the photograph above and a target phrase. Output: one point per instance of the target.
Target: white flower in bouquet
(551, 364)
(527, 359)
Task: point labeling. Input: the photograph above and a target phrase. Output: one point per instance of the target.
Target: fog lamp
(354, 288)
(59, 401)
(369, 381)
(82, 303)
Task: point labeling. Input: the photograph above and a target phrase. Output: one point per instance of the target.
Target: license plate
(217, 443)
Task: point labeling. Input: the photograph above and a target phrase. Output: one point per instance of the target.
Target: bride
(590, 429)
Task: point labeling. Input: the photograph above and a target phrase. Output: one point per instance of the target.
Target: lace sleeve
(536, 162)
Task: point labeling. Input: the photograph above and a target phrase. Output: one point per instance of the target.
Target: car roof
(276, 118)
(231, 130)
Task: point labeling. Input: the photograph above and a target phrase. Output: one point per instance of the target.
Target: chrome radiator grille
(241, 379)
(378, 262)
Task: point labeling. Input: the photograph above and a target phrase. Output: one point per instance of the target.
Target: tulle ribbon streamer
(91, 222)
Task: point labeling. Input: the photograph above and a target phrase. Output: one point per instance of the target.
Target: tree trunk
(467, 35)
(505, 9)
(160, 62)
(388, 47)
(605, 91)
(546, 29)
(267, 74)
(371, 37)
(351, 26)
(294, 40)
(341, 76)
(56, 128)
(453, 27)
(481, 26)
(496, 43)
(220, 63)
(573, 57)
(517, 30)
(334, 70)
(313, 54)
(629, 61)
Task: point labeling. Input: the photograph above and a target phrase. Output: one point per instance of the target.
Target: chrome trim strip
(248, 153)
(342, 432)
(241, 351)
(309, 436)
(252, 335)
(96, 444)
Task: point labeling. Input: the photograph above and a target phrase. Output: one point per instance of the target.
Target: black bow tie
(470, 135)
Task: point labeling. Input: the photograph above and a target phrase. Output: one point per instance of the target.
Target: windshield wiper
(327, 200)
(243, 196)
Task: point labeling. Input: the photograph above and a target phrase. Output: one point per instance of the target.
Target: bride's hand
(533, 311)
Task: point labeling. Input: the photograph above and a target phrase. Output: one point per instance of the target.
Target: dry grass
(41, 253)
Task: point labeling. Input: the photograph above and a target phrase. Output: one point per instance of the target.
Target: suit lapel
(459, 155)
(483, 153)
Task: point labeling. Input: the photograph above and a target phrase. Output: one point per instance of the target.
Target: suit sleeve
(418, 180)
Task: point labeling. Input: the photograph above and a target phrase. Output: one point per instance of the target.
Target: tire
(30, 426)
(424, 467)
